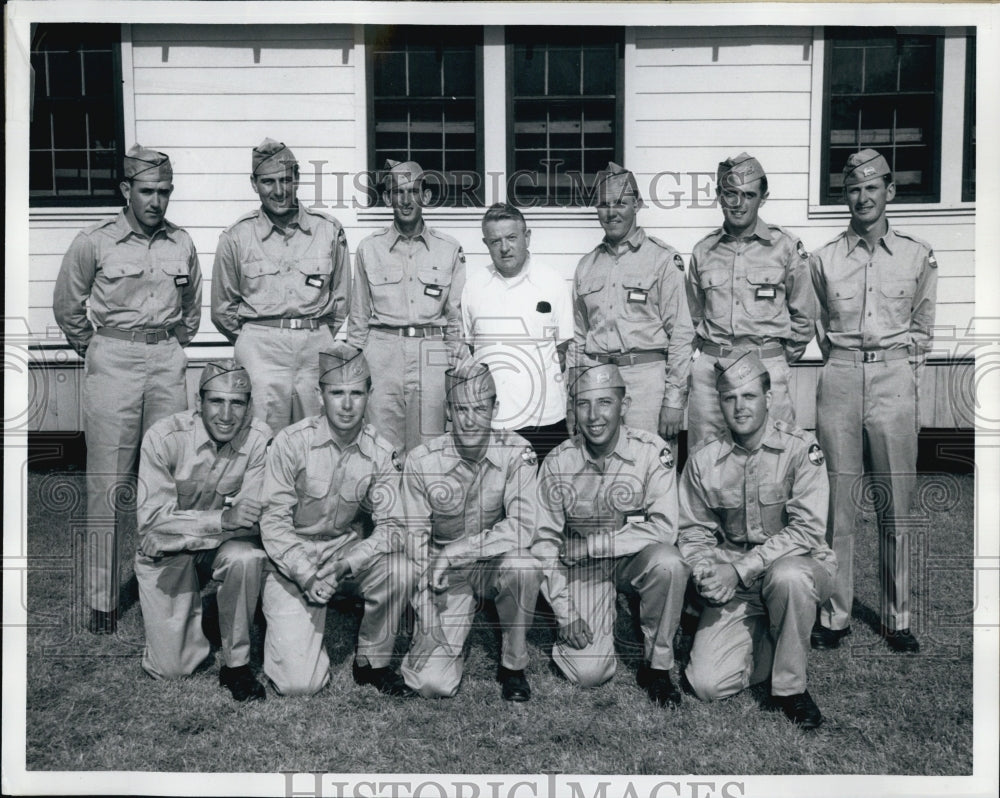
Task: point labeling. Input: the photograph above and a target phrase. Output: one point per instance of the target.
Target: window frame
(969, 121)
(933, 195)
(375, 168)
(74, 201)
(617, 37)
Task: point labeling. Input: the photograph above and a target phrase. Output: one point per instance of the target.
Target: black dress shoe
(241, 683)
(823, 639)
(385, 680)
(901, 640)
(800, 709)
(661, 690)
(514, 684)
(103, 623)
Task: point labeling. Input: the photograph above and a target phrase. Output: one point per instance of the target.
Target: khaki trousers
(127, 387)
(170, 596)
(658, 575)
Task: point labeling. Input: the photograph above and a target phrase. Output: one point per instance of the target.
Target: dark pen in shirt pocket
(543, 307)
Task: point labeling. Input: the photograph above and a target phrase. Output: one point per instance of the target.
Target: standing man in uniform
(753, 505)
(138, 275)
(469, 498)
(405, 312)
(518, 316)
(877, 289)
(279, 289)
(330, 484)
(630, 309)
(748, 289)
(200, 479)
(608, 523)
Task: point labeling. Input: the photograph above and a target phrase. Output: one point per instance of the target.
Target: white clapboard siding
(277, 109)
(659, 79)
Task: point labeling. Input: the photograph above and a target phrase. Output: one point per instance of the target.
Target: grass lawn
(91, 707)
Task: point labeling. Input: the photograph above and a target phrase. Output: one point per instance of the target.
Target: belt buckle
(410, 332)
(152, 337)
(869, 357)
(294, 324)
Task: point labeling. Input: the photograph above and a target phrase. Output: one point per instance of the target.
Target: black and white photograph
(501, 400)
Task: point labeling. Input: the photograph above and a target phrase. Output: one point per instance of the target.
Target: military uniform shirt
(186, 481)
(403, 282)
(881, 299)
(631, 299)
(133, 282)
(751, 508)
(315, 490)
(755, 287)
(262, 272)
(479, 510)
(621, 509)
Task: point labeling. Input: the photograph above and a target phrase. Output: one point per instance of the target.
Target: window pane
(880, 69)
(969, 156)
(424, 74)
(529, 70)
(389, 74)
(918, 65)
(847, 69)
(599, 71)
(564, 71)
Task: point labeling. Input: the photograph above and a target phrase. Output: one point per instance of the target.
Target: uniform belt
(721, 350)
(288, 324)
(142, 336)
(869, 355)
(630, 358)
(411, 332)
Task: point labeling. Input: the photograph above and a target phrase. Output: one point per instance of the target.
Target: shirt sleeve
(677, 325)
(226, 295)
(581, 324)
(924, 306)
(564, 310)
(806, 508)
(277, 529)
(514, 531)
(415, 517)
(388, 534)
(453, 307)
(73, 287)
(822, 314)
(699, 527)
(695, 296)
(801, 301)
(659, 526)
(191, 299)
(163, 527)
(360, 309)
(550, 533)
(340, 287)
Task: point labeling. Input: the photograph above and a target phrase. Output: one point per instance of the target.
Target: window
(564, 111)
(969, 150)
(883, 90)
(76, 120)
(425, 105)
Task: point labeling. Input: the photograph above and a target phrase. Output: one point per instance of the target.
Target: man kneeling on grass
(753, 506)
(331, 478)
(200, 476)
(608, 523)
(469, 498)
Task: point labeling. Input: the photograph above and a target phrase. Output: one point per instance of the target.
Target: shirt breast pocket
(120, 278)
(588, 288)
(187, 493)
(845, 306)
(773, 497)
(728, 504)
(434, 286)
(714, 285)
(766, 292)
(897, 301)
(227, 490)
(314, 497)
(640, 296)
(315, 272)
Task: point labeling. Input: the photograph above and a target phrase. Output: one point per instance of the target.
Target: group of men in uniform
(498, 434)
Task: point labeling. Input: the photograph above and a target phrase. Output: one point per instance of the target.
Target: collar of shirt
(760, 230)
(633, 242)
(517, 279)
(324, 435)
(623, 449)
(265, 226)
(492, 455)
(202, 438)
(771, 440)
(124, 229)
(888, 240)
(420, 235)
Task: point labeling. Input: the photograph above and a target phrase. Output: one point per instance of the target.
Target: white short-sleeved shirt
(515, 326)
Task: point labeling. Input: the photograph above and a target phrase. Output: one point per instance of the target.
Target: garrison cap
(227, 376)
(595, 378)
(144, 164)
(342, 364)
(472, 377)
(864, 166)
(616, 182)
(739, 170)
(271, 156)
(399, 174)
(730, 374)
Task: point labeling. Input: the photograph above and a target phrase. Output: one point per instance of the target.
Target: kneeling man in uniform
(200, 476)
(608, 524)
(753, 507)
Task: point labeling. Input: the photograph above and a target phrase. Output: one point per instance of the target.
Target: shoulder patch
(801, 250)
(931, 260)
(397, 463)
(461, 255)
(816, 455)
(529, 456)
(678, 261)
(667, 458)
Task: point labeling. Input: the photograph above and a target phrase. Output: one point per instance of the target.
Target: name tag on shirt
(543, 307)
(432, 290)
(182, 280)
(637, 295)
(766, 292)
(314, 280)
(636, 517)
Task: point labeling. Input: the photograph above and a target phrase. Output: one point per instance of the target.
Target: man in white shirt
(517, 315)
